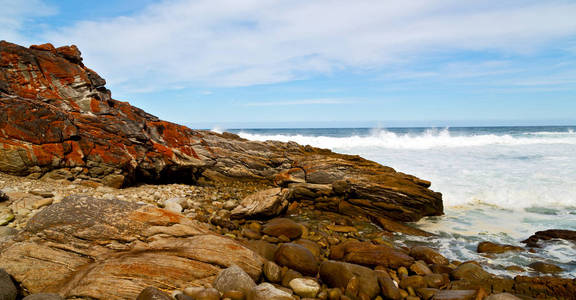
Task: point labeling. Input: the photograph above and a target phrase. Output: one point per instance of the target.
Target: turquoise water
(499, 184)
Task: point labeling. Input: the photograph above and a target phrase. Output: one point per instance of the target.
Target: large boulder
(368, 254)
(58, 120)
(338, 274)
(110, 249)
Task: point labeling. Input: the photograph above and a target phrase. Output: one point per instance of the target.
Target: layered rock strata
(58, 120)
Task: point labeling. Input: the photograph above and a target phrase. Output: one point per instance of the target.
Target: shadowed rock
(111, 249)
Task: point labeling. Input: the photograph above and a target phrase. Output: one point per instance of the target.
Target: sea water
(499, 184)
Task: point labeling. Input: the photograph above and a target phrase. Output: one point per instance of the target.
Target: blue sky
(322, 63)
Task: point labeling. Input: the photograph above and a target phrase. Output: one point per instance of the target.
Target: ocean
(499, 184)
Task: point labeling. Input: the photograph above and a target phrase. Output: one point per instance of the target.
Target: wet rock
(338, 274)
(152, 293)
(502, 296)
(181, 296)
(43, 297)
(489, 247)
(288, 275)
(305, 287)
(272, 272)
(266, 203)
(551, 234)
(7, 288)
(428, 255)
(426, 293)
(234, 278)
(543, 267)
(297, 257)
(470, 271)
(352, 288)
(436, 280)
(266, 291)
(282, 226)
(310, 245)
(366, 253)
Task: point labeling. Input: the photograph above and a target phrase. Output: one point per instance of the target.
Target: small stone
(208, 294)
(297, 257)
(387, 286)
(502, 296)
(543, 267)
(6, 216)
(152, 293)
(455, 295)
(402, 272)
(182, 297)
(426, 293)
(342, 228)
(282, 226)
(7, 231)
(229, 205)
(193, 291)
(3, 196)
(234, 278)
(234, 295)
(420, 268)
(305, 287)
(334, 294)
(435, 280)
(267, 291)
(288, 276)
(173, 207)
(415, 281)
(272, 272)
(43, 296)
(514, 269)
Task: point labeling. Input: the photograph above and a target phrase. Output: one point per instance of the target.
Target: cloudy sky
(301, 63)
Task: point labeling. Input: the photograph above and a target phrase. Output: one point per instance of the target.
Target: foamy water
(498, 184)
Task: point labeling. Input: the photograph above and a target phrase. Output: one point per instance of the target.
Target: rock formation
(57, 120)
(111, 249)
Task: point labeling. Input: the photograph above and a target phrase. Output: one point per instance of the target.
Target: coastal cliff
(58, 120)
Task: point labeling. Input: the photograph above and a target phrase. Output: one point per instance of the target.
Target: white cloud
(197, 43)
(320, 101)
(15, 14)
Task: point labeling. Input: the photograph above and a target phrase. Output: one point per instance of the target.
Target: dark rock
(543, 267)
(313, 247)
(426, 293)
(436, 280)
(3, 196)
(368, 254)
(420, 268)
(414, 281)
(297, 257)
(352, 288)
(263, 248)
(282, 226)
(234, 278)
(43, 297)
(338, 274)
(7, 288)
(489, 247)
(288, 275)
(152, 293)
(428, 255)
(533, 241)
(234, 295)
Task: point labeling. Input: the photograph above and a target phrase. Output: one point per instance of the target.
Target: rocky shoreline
(101, 200)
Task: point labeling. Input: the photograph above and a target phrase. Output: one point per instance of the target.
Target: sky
(321, 63)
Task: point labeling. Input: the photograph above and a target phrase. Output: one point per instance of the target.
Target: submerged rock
(534, 240)
(489, 247)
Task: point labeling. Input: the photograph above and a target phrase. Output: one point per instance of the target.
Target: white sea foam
(496, 187)
(429, 139)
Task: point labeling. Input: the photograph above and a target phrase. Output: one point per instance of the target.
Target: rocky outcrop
(58, 120)
(550, 234)
(111, 249)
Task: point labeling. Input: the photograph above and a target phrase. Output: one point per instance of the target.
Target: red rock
(56, 114)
